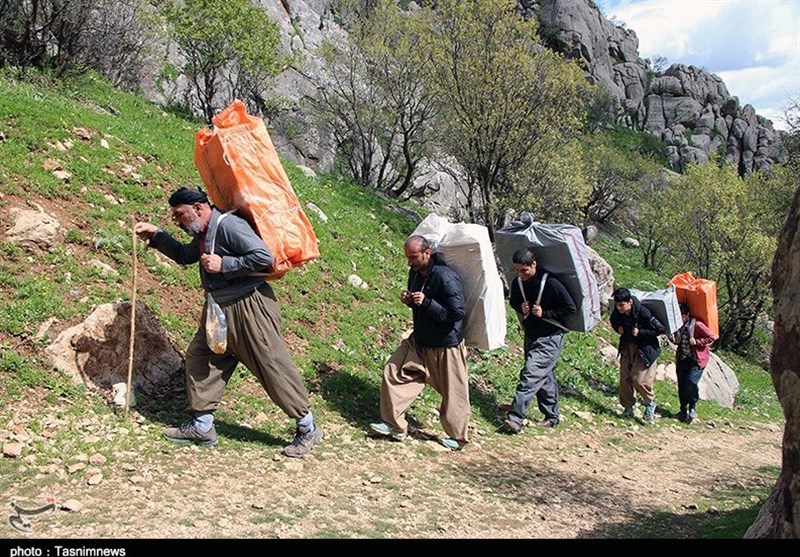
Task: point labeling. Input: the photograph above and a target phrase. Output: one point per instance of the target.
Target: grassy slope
(340, 335)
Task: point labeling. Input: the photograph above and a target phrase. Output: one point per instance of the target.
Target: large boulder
(718, 383)
(96, 351)
(35, 230)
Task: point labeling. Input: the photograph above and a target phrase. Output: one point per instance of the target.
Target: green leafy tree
(229, 50)
(373, 97)
(44, 34)
(509, 105)
(719, 226)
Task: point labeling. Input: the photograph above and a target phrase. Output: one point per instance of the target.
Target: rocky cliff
(689, 108)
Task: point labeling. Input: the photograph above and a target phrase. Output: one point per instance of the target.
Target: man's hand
(525, 307)
(417, 298)
(536, 309)
(211, 263)
(145, 230)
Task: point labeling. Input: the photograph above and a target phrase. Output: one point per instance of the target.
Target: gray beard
(193, 228)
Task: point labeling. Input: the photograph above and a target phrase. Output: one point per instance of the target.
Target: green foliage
(230, 50)
(508, 107)
(373, 97)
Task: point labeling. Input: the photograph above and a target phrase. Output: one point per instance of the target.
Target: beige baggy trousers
(407, 372)
(635, 377)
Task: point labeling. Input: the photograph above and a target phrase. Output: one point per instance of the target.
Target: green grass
(341, 335)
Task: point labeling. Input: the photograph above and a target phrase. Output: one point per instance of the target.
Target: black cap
(186, 196)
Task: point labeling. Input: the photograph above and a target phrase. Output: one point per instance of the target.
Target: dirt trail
(603, 481)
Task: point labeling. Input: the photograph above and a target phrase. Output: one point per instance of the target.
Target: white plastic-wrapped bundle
(467, 250)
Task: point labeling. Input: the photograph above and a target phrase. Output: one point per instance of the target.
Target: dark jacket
(649, 328)
(439, 321)
(556, 304)
(245, 257)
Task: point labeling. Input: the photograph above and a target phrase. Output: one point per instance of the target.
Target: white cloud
(753, 45)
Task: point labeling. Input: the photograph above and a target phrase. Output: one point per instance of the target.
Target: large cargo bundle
(241, 170)
(701, 295)
(466, 248)
(663, 304)
(561, 251)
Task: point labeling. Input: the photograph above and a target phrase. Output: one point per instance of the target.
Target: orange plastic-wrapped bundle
(701, 295)
(241, 170)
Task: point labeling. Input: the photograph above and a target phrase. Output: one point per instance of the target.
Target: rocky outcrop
(689, 108)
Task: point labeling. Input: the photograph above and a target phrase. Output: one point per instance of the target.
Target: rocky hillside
(687, 107)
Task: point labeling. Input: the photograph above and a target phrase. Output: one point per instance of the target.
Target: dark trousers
(254, 340)
(538, 377)
(689, 374)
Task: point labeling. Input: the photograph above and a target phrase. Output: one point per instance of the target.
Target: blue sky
(753, 45)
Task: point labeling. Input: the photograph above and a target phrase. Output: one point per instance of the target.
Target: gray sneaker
(188, 433)
(303, 443)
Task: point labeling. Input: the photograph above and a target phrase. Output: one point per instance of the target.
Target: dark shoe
(682, 415)
(548, 422)
(303, 443)
(628, 412)
(385, 430)
(188, 433)
(512, 427)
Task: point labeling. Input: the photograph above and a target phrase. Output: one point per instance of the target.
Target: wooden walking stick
(133, 323)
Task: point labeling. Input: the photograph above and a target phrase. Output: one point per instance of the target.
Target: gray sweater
(245, 257)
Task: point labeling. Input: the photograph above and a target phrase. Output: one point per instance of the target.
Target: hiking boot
(682, 415)
(303, 443)
(691, 416)
(189, 433)
(628, 412)
(512, 427)
(450, 443)
(385, 430)
(649, 412)
(548, 422)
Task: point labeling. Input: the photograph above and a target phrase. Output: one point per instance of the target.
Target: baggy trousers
(538, 378)
(407, 372)
(635, 377)
(254, 339)
(689, 375)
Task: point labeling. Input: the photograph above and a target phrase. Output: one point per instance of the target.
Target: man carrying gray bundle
(541, 301)
(233, 260)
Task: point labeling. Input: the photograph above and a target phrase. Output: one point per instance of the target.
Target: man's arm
(448, 307)
(246, 252)
(183, 254)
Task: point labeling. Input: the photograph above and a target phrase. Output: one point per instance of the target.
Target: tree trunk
(780, 516)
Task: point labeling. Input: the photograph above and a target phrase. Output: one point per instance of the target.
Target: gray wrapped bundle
(561, 251)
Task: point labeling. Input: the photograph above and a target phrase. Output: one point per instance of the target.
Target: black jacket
(439, 321)
(649, 328)
(556, 304)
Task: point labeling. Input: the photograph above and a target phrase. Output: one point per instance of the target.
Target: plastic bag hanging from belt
(216, 327)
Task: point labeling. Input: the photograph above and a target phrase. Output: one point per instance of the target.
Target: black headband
(185, 196)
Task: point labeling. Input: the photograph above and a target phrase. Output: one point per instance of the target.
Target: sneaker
(385, 430)
(691, 416)
(548, 422)
(188, 433)
(303, 443)
(512, 427)
(450, 443)
(649, 412)
(628, 412)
